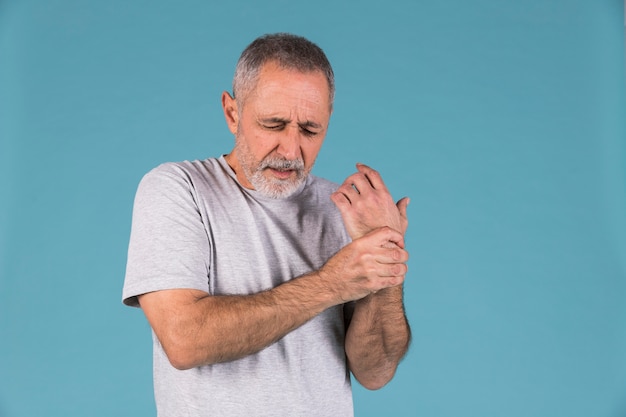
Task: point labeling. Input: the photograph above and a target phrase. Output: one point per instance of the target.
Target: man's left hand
(366, 204)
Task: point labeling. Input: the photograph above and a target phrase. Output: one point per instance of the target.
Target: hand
(366, 204)
(367, 265)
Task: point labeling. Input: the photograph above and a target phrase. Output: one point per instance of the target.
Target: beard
(264, 182)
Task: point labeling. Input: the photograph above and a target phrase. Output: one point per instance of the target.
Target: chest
(256, 246)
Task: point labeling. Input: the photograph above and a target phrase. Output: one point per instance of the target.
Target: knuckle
(343, 188)
(350, 180)
(399, 269)
(398, 280)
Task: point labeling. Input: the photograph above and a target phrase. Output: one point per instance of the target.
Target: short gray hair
(288, 51)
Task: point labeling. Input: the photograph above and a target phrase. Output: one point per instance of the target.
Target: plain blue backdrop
(503, 120)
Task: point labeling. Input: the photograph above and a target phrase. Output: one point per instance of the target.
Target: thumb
(402, 205)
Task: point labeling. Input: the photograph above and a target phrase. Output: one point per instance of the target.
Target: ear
(229, 105)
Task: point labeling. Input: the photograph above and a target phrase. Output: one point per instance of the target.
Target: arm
(378, 335)
(197, 329)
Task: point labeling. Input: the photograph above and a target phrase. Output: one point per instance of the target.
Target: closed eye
(310, 129)
(279, 126)
(307, 132)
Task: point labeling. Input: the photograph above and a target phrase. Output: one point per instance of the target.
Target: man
(266, 286)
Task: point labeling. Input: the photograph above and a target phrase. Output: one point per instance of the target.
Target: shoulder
(168, 182)
(318, 192)
(183, 169)
(322, 185)
(184, 173)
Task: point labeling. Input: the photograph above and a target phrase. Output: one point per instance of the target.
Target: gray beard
(273, 187)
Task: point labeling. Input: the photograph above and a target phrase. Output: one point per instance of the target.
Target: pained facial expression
(280, 129)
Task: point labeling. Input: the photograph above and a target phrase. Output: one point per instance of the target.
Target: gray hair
(289, 52)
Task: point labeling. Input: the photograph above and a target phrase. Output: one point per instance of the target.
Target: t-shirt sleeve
(169, 246)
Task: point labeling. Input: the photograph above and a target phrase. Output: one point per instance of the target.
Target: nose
(289, 143)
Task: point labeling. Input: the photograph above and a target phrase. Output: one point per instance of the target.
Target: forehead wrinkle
(276, 99)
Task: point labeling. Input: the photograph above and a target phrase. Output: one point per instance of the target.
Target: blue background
(503, 120)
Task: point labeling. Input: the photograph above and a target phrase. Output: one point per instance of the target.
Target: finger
(372, 176)
(395, 237)
(386, 234)
(348, 191)
(392, 270)
(393, 281)
(361, 183)
(387, 282)
(340, 200)
(393, 255)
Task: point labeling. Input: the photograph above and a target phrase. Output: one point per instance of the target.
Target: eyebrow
(308, 123)
(273, 120)
(305, 124)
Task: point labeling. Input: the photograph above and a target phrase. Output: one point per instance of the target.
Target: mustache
(276, 162)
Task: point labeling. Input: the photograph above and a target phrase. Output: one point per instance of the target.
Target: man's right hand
(367, 265)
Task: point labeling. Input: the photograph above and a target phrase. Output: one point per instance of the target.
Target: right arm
(197, 329)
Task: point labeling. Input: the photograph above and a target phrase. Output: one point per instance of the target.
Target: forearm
(197, 329)
(378, 334)
(210, 329)
(378, 337)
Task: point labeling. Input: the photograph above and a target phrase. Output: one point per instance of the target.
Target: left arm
(378, 335)
(377, 338)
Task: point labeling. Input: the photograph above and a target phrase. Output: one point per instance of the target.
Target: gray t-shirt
(194, 226)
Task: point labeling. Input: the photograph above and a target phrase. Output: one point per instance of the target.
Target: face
(279, 130)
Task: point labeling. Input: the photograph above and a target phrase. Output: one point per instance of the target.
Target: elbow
(183, 356)
(179, 358)
(183, 353)
(180, 362)
(375, 380)
(373, 386)
(187, 355)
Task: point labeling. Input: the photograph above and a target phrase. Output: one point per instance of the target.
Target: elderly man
(265, 286)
